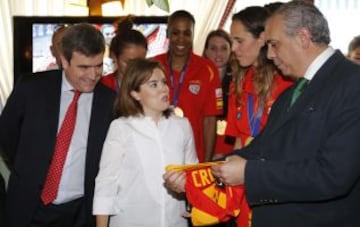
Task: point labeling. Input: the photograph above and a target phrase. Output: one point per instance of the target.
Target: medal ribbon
(254, 120)
(181, 79)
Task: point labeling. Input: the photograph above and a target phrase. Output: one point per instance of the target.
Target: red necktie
(63, 140)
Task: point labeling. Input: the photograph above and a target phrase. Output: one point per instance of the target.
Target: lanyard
(181, 79)
(254, 120)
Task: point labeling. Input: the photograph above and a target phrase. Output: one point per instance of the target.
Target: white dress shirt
(72, 178)
(129, 184)
(318, 62)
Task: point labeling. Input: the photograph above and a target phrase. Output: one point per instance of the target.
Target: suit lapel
(95, 123)
(321, 78)
(100, 119)
(52, 103)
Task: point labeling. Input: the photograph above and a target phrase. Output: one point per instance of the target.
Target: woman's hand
(175, 180)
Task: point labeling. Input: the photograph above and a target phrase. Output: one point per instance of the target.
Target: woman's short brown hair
(137, 72)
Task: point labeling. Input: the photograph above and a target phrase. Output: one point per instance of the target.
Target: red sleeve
(231, 129)
(281, 84)
(109, 81)
(214, 105)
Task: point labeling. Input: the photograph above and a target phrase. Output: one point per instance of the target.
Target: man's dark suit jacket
(2, 200)
(28, 129)
(305, 167)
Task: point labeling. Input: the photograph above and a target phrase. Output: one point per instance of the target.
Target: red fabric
(109, 81)
(244, 218)
(238, 118)
(63, 140)
(222, 146)
(200, 94)
(219, 203)
(238, 122)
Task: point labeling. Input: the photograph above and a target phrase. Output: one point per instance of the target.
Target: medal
(178, 112)
(248, 140)
(220, 127)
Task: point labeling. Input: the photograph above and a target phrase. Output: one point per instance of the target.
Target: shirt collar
(318, 62)
(66, 86)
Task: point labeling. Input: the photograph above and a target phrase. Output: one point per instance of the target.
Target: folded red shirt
(212, 202)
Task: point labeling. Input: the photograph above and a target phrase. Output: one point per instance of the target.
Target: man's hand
(175, 180)
(232, 172)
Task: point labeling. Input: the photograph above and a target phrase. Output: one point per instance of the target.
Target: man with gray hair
(304, 168)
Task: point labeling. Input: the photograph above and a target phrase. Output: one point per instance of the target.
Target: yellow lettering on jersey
(202, 177)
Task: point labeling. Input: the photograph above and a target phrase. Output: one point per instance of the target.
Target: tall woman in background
(218, 50)
(127, 44)
(256, 85)
(194, 83)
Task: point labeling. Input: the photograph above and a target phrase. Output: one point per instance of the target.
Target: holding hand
(232, 172)
(175, 180)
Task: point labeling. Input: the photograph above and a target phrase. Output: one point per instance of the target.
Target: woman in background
(354, 50)
(141, 142)
(194, 83)
(256, 85)
(127, 44)
(218, 50)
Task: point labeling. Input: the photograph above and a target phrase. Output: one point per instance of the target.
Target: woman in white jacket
(144, 139)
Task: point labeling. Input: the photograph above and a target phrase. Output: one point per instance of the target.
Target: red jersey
(211, 201)
(239, 124)
(224, 143)
(241, 121)
(110, 81)
(200, 93)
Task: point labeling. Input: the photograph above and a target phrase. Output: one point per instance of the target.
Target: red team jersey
(200, 94)
(110, 81)
(238, 122)
(211, 202)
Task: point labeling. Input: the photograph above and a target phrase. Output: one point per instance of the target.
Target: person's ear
(304, 36)
(135, 95)
(261, 39)
(64, 63)
(52, 50)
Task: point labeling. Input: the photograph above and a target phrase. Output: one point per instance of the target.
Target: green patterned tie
(301, 83)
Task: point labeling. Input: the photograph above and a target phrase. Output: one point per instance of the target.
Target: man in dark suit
(2, 200)
(29, 125)
(304, 169)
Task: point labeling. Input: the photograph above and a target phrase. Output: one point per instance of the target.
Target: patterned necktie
(300, 85)
(63, 140)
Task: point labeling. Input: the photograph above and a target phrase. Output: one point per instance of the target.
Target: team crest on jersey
(194, 88)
